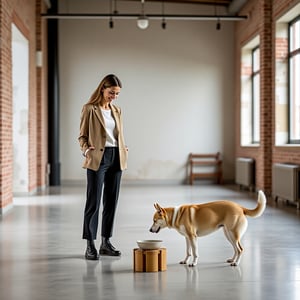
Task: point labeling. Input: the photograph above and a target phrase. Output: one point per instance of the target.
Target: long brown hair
(108, 81)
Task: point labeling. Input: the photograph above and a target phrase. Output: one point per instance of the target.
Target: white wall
(177, 94)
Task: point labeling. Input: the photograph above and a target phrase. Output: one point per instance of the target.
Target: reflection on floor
(41, 250)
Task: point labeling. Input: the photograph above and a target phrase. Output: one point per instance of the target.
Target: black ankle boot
(108, 249)
(91, 252)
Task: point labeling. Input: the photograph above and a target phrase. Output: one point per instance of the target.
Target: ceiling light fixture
(163, 23)
(218, 26)
(112, 12)
(142, 21)
(111, 22)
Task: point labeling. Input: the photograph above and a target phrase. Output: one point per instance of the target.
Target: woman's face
(111, 93)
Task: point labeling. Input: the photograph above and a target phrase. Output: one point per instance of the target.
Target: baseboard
(4, 210)
(80, 182)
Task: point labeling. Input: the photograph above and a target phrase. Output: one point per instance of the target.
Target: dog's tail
(259, 209)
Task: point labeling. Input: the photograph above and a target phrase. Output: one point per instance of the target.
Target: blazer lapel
(115, 113)
(99, 115)
(116, 116)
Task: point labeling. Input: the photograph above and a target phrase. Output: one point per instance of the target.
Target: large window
(250, 94)
(287, 78)
(294, 81)
(255, 96)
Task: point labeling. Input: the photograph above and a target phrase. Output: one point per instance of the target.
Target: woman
(102, 144)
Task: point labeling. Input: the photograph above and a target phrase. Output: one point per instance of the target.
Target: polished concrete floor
(42, 253)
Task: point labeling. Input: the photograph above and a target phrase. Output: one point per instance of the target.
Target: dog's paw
(192, 265)
(183, 262)
(232, 262)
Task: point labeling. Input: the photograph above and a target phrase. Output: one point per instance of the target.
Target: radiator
(244, 172)
(286, 182)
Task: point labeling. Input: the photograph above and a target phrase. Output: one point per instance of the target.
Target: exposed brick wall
(262, 17)
(266, 96)
(5, 104)
(42, 129)
(281, 48)
(23, 14)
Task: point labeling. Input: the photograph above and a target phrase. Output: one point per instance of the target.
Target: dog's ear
(159, 209)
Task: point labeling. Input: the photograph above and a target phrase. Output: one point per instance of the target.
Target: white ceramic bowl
(149, 244)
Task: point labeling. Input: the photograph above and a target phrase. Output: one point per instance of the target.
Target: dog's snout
(153, 230)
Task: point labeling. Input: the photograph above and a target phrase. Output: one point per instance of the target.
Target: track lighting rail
(149, 16)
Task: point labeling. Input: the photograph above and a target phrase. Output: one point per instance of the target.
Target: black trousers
(102, 184)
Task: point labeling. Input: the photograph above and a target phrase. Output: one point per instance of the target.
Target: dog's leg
(237, 234)
(194, 244)
(229, 238)
(238, 257)
(234, 236)
(188, 251)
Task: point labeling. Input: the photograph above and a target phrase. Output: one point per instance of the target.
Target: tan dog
(197, 220)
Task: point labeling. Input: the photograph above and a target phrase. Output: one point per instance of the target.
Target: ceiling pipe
(149, 16)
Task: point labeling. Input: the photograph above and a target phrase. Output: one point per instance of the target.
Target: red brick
(26, 16)
(263, 15)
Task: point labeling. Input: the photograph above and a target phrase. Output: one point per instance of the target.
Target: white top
(110, 126)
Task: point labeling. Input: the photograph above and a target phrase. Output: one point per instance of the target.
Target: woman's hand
(88, 149)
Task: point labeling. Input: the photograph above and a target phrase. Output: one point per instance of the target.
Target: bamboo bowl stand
(149, 260)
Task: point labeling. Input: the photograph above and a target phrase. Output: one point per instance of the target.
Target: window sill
(251, 146)
(288, 146)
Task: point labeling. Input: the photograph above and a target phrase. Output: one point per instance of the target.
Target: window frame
(291, 54)
(254, 116)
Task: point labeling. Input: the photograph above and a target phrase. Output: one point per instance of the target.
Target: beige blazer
(92, 133)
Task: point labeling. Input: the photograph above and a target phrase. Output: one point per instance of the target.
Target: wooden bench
(211, 163)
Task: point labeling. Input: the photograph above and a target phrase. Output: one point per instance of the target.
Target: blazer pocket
(90, 156)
